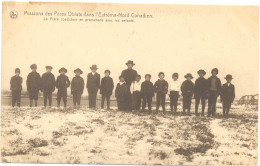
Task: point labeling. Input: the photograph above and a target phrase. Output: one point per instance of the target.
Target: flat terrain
(38, 135)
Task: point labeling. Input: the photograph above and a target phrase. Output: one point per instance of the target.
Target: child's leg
(149, 101)
(203, 100)
(36, 98)
(74, 97)
(44, 98)
(50, 98)
(163, 102)
(189, 103)
(102, 101)
(108, 101)
(13, 98)
(138, 101)
(94, 98)
(59, 95)
(79, 99)
(171, 100)
(19, 98)
(197, 102)
(65, 98)
(175, 101)
(134, 101)
(158, 98)
(143, 102)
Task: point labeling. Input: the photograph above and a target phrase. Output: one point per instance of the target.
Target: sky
(179, 38)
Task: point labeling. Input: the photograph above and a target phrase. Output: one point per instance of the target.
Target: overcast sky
(179, 38)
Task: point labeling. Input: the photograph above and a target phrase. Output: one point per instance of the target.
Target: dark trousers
(197, 102)
(76, 98)
(174, 95)
(122, 103)
(187, 102)
(136, 100)
(47, 95)
(160, 100)
(212, 100)
(147, 99)
(33, 94)
(92, 96)
(226, 107)
(128, 104)
(105, 97)
(62, 93)
(16, 97)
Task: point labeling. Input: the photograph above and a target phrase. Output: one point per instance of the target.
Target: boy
(121, 92)
(62, 83)
(16, 87)
(106, 89)
(187, 89)
(147, 92)
(33, 85)
(135, 90)
(200, 92)
(174, 88)
(214, 88)
(93, 83)
(161, 89)
(227, 95)
(77, 87)
(48, 85)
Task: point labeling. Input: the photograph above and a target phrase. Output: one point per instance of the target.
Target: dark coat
(62, 82)
(218, 84)
(227, 92)
(201, 87)
(48, 82)
(107, 86)
(187, 88)
(147, 89)
(33, 82)
(77, 85)
(161, 86)
(129, 75)
(16, 83)
(93, 81)
(121, 91)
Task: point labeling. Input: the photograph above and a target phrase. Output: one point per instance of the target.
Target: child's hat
(78, 70)
(215, 69)
(201, 71)
(175, 75)
(63, 69)
(188, 75)
(94, 67)
(33, 66)
(130, 62)
(48, 67)
(17, 70)
(229, 76)
(148, 75)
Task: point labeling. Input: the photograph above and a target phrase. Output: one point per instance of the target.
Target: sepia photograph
(138, 84)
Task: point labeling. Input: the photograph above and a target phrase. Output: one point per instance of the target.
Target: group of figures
(130, 92)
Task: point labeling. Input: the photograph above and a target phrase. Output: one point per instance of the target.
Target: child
(200, 92)
(174, 88)
(187, 89)
(135, 90)
(77, 87)
(93, 83)
(121, 93)
(16, 87)
(227, 95)
(106, 89)
(48, 85)
(214, 88)
(161, 89)
(147, 92)
(33, 85)
(62, 83)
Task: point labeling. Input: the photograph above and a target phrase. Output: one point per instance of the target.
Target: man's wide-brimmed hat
(48, 67)
(17, 70)
(130, 62)
(201, 71)
(94, 67)
(33, 66)
(215, 69)
(78, 70)
(188, 75)
(63, 69)
(229, 76)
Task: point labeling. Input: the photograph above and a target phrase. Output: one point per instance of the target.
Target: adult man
(129, 74)
(93, 84)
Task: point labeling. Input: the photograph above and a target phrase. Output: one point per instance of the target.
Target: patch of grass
(37, 142)
(99, 121)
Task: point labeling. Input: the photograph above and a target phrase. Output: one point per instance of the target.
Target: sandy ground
(38, 135)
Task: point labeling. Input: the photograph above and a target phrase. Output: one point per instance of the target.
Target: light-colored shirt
(174, 85)
(121, 83)
(93, 73)
(135, 86)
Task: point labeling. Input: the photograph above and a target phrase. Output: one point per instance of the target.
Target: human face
(48, 70)
(107, 74)
(122, 79)
(34, 70)
(161, 76)
(77, 73)
(175, 78)
(147, 78)
(62, 72)
(214, 74)
(137, 79)
(188, 78)
(130, 66)
(229, 80)
(94, 70)
(17, 73)
(201, 75)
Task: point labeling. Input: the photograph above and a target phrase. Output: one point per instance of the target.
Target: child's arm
(233, 95)
(68, 82)
(72, 86)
